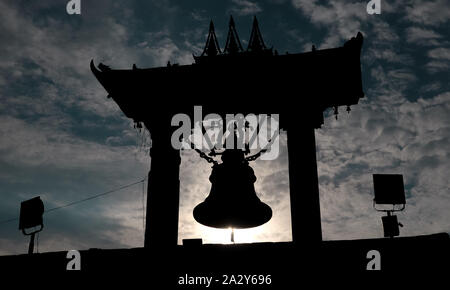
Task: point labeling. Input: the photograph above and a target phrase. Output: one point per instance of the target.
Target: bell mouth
(237, 216)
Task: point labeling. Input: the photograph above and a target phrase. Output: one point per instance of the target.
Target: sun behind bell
(232, 201)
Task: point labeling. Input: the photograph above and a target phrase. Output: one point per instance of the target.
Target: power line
(143, 205)
(95, 196)
(83, 200)
(37, 243)
(7, 221)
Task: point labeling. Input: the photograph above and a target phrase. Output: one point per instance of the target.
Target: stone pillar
(304, 186)
(163, 193)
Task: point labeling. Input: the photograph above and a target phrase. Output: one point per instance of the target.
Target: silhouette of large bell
(232, 201)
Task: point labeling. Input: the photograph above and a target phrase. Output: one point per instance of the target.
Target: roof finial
(212, 47)
(256, 42)
(233, 45)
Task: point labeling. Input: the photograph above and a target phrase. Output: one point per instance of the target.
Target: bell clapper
(232, 235)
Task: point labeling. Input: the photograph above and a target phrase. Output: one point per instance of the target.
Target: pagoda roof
(233, 44)
(256, 42)
(246, 82)
(212, 47)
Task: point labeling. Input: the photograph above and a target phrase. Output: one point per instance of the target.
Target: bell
(232, 201)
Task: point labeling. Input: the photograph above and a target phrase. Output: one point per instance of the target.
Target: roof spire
(212, 45)
(233, 45)
(256, 42)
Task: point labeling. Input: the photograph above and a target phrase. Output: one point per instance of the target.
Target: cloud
(441, 53)
(245, 7)
(47, 145)
(383, 45)
(164, 50)
(422, 36)
(427, 12)
(61, 168)
(440, 59)
(389, 132)
(341, 18)
(55, 57)
(60, 137)
(409, 138)
(386, 54)
(198, 15)
(384, 32)
(60, 53)
(437, 66)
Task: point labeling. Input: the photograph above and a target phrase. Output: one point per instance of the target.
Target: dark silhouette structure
(297, 86)
(31, 212)
(389, 190)
(256, 80)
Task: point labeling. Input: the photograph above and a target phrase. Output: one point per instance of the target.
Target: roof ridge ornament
(256, 42)
(212, 47)
(233, 45)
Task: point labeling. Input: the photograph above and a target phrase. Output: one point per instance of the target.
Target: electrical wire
(143, 205)
(95, 196)
(37, 243)
(85, 199)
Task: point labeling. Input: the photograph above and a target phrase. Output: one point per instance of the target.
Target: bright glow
(248, 235)
(215, 236)
(195, 187)
(223, 236)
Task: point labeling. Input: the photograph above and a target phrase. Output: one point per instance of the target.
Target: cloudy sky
(62, 139)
